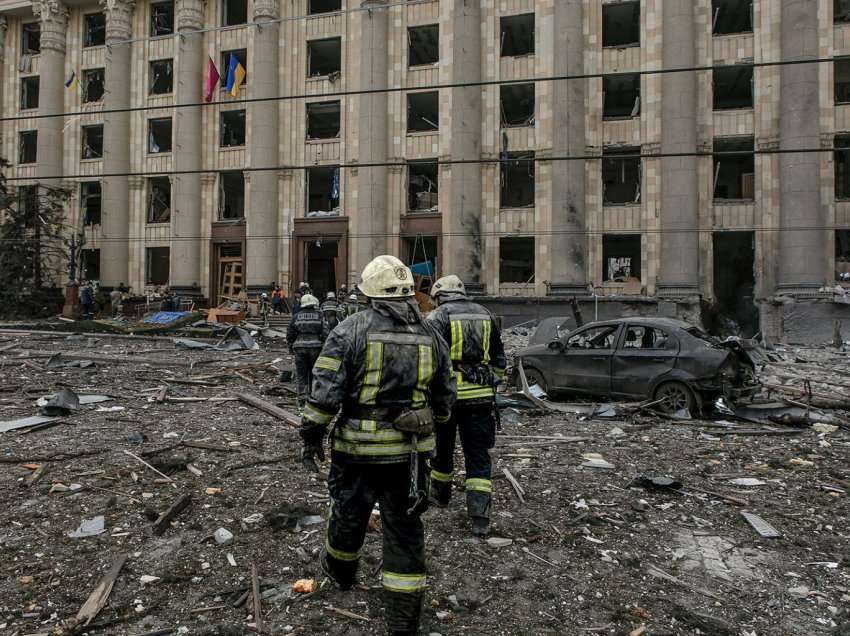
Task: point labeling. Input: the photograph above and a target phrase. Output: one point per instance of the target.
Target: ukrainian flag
(235, 76)
(71, 82)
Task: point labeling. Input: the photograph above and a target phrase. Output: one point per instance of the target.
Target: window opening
(231, 195)
(28, 203)
(841, 71)
(159, 135)
(89, 264)
(29, 92)
(516, 259)
(159, 200)
(31, 38)
(594, 338)
(27, 146)
(517, 176)
(621, 176)
(842, 166)
(423, 45)
(621, 24)
(315, 7)
(90, 202)
(161, 77)
(232, 128)
(733, 87)
(162, 18)
(157, 265)
(621, 96)
(323, 191)
(93, 85)
(732, 16)
(646, 338)
(323, 120)
(423, 186)
(842, 255)
(92, 141)
(235, 12)
(324, 57)
(94, 29)
(423, 112)
(620, 257)
(517, 35)
(734, 175)
(517, 101)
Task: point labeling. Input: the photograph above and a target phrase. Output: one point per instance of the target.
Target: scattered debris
(95, 602)
(164, 521)
(63, 403)
(89, 528)
(761, 526)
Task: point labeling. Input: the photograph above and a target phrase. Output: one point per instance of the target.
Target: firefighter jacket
(474, 342)
(307, 330)
(375, 365)
(332, 313)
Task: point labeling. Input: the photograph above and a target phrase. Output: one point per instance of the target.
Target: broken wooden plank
(271, 409)
(347, 614)
(210, 447)
(164, 521)
(36, 475)
(255, 591)
(163, 391)
(515, 484)
(97, 599)
(139, 459)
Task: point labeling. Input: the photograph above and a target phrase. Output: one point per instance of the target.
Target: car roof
(670, 323)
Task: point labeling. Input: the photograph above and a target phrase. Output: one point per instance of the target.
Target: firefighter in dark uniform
(331, 311)
(478, 358)
(387, 373)
(306, 335)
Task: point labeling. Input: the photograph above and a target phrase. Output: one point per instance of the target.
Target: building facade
(475, 160)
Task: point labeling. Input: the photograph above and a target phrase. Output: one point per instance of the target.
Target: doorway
(735, 282)
(320, 266)
(230, 271)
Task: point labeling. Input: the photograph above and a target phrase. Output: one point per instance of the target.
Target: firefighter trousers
(304, 361)
(355, 487)
(477, 427)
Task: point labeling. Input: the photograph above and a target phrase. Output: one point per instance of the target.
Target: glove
(309, 454)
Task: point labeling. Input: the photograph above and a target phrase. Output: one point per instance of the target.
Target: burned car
(642, 358)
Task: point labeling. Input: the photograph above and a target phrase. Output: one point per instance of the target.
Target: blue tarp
(422, 269)
(165, 317)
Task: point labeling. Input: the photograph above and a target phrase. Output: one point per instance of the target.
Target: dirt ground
(587, 552)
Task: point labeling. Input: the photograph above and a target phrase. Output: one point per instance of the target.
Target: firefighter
(331, 311)
(387, 372)
(306, 334)
(352, 306)
(478, 358)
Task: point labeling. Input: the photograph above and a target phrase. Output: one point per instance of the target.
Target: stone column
(801, 264)
(368, 220)
(461, 185)
(51, 92)
(679, 266)
(115, 222)
(261, 224)
(3, 27)
(185, 276)
(569, 243)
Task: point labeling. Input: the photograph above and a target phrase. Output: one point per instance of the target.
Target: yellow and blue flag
(235, 75)
(71, 82)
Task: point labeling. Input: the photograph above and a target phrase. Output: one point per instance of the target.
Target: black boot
(343, 581)
(441, 493)
(478, 509)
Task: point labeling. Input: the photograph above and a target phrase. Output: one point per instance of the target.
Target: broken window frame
(31, 38)
(153, 147)
(422, 34)
(648, 338)
(509, 275)
(155, 76)
(237, 19)
(525, 119)
(423, 124)
(610, 42)
(91, 135)
(717, 13)
(622, 159)
(150, 258)
(717, 166)
(162, 19)
(842, 255)
(30, 86)
(513, 47)
(91, 202)
(624, 246)
(156, 195)
(313, 110)
(841, 160)
(90, 80)
(428, 171)
(241, 57)
(335, 175)
(841, 85)
(517, 163)
(94, 29)
(27, 147)
(224, 179)
(231, 128)
(312, 10)
(330, 74)
(89, 264)
(717, 78)
(613, 111)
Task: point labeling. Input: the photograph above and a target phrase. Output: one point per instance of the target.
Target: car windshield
(593, 338)
(698, 333)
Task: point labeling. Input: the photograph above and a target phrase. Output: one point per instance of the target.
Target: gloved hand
(309, 454)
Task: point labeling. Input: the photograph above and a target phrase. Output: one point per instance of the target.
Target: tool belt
(418, 421)
(475, 373)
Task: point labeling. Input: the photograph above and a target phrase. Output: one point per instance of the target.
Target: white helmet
(386, 277)
(330, 296)
(308, 300)
(353, 298)
(265, 295)
(450, 284)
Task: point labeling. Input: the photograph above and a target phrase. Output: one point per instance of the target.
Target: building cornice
(54, 23)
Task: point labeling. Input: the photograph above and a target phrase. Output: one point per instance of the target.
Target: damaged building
(526, 187)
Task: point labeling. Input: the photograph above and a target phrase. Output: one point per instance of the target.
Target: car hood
(533, 350)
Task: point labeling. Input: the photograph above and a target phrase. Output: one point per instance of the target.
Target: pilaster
(54, 21)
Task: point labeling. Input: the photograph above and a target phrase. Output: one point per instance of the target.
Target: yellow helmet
(386, 277)
(308, 300)
(450, 284)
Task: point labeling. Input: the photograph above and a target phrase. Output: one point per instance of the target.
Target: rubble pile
(162, 493)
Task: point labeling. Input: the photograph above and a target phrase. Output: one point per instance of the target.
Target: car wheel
(676, 395)
(535, 377)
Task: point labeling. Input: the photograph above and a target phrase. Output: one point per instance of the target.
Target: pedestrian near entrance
(306, 334)
(387, 373)
(478, 359)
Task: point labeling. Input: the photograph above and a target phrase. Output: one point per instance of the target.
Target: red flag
(212, 80)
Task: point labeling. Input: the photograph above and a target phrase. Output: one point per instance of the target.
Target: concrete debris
(64, 402)
(89, 528)
(761, 526)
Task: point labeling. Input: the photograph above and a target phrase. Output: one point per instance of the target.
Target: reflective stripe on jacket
(307, 330)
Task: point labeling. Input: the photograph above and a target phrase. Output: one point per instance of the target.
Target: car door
(643, 353)
(584, 365)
